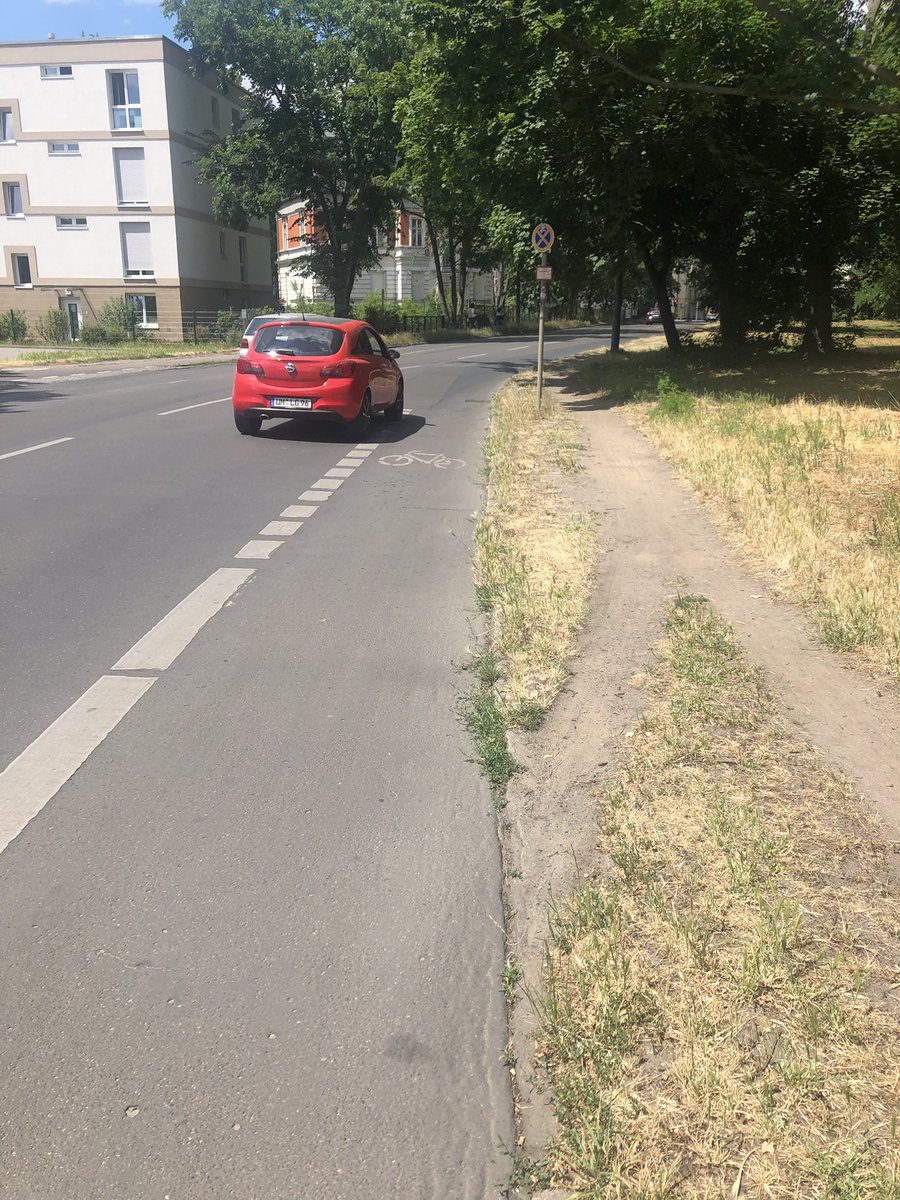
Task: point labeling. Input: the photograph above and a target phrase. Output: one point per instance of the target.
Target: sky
(24, 22)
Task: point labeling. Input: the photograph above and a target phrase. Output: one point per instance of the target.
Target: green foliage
(672, 402)
(13, 326)
(53, 327)
(323, 77)
(228, 326)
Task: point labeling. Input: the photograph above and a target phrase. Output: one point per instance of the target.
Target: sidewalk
(9, 368)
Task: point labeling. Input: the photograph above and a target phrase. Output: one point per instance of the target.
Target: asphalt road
(250, 917)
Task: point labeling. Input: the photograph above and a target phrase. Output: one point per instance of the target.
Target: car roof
(311, 318)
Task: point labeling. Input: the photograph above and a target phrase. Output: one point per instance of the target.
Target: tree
(322, 80)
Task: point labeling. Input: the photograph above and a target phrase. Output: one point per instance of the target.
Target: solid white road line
(299, 510)
(258, 549)
(40, 771)
(169, 411)
(331, 485)
(280, 528)
(160, 647)
(317, 496)
(339, 473)
(39, 446)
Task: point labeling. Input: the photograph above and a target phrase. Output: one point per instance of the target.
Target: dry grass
(720, 1012)
(801, 464)
(533, 554)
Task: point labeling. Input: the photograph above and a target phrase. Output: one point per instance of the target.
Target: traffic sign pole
(542, 239)
(540, 362)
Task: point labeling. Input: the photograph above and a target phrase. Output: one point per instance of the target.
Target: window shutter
(131, 178)
(136, 248)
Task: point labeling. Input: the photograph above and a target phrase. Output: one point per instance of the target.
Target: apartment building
(100, 196)
(405, 272)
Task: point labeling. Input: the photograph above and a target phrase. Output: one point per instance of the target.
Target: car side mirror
(393, 353)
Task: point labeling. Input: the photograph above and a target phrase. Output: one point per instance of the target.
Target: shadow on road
(16, 390)
(296, 429)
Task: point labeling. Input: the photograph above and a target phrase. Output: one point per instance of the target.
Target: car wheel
(361, 426)
(395, 412)
(247, 424)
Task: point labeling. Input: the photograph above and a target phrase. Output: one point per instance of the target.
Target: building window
(144, 309)
(12, 199)
(56, 72)
(137, 249)
(416, 231)
(214, 104)
(242, 257)
(55, 148)
(235, 120)
(131, 177)
(71, 223)
(222, 249)
(125, 100)
(7, 133)
(284, 233)
(21, 270)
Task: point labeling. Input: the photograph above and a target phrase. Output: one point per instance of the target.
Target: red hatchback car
(327, 368)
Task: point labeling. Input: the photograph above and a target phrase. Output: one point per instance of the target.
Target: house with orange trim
(405, 271)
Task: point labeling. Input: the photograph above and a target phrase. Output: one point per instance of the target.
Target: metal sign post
(542, 239)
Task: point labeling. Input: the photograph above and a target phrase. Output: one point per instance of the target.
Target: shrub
(227, 326)
(54, 327)
(120, 321)
(13, 326)
(94, 334)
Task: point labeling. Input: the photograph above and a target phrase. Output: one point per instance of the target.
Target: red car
(326, 368)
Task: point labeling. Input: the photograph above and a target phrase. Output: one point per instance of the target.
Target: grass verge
(129, 351)
(798, 459)
(533, 561)
(720, 1014)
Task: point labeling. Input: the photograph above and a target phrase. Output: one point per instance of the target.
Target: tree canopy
(755, 143)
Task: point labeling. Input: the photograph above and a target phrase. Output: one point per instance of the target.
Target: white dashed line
(170, 411)
(280, 528)
(466, 357)
(160, 647)
(34, 778)
(367, 446)
(339, 473)
(331, 485)
(317, 496)
(39, 446)
(258, 549)
(299, 510)
(354, 462)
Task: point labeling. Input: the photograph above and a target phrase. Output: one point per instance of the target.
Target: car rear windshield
(300, 341)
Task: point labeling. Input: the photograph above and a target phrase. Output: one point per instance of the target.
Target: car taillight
(246, 367)
(341, 370)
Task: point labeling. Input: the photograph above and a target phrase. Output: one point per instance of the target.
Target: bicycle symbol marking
(429, 460)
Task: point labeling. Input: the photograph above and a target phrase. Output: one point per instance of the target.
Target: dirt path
(655, 539)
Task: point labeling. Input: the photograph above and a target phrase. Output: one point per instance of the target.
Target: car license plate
(290, 402)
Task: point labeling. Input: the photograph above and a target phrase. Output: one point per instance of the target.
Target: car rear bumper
(306, 414)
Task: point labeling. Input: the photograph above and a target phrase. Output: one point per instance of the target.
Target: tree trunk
(819, 328)
(616, 336)
(438, 270)
(659, 276)
(518, 297)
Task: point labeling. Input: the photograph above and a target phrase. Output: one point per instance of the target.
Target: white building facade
(406, 270)
(100, 197)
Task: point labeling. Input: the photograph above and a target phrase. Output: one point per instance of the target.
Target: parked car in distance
(322, 368)
(264, 319)
(653, 317)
